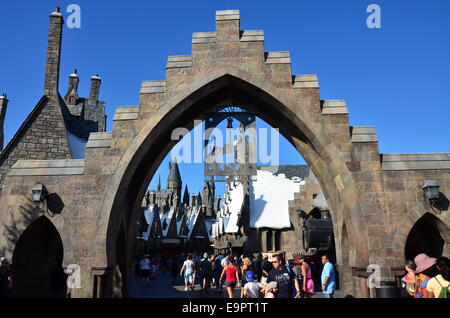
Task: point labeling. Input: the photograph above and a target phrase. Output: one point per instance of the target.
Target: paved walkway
(162, 287)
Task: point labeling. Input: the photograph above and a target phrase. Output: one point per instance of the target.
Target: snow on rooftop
(167, 219)
(233, 207)
(269, 200)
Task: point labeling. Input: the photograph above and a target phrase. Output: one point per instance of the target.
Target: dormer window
(72, 100)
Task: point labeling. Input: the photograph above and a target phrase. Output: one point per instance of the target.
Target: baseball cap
(249, 276)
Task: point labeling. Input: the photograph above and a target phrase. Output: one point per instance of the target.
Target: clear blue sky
(395, 78)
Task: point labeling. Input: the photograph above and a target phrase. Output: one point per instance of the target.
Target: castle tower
(3, 107)
(174, 180)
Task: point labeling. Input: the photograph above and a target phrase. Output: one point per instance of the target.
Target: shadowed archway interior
(37, 262)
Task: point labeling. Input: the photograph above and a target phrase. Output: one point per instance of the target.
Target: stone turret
(52, 64)
(3, 107)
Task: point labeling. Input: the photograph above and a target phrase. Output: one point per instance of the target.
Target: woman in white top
(435, 284)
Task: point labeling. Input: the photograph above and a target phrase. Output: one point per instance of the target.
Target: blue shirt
(328, 271)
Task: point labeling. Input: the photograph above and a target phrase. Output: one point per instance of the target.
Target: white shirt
(253, 289)
(189, 266)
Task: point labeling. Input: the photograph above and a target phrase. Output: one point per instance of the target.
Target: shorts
(188, 277)
(230, 284)
(145, 273)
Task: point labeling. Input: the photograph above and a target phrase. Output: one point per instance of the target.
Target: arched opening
(427, 236)
(149, 148)
(37, 262)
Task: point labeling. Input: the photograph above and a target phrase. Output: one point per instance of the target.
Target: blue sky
(395, 78)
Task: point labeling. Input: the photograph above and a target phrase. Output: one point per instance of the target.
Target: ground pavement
(162, 288)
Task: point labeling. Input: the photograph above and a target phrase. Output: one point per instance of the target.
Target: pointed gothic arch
(37, 262)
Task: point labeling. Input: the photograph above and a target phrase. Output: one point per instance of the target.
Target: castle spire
(158, 186)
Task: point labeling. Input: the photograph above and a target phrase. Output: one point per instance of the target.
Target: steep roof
(174, 174)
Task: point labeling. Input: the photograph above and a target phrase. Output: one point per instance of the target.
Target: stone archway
(428, 235)
(37, 262)
(152, 143)
(410, 220)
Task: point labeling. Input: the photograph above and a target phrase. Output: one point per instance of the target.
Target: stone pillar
(53, 54)
(95, 88)
(227, 25)
(3, 107)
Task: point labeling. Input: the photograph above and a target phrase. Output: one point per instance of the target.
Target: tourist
(188, 269)
(258, 267)
(328, 278)
(294, 265)
(252, 289)
(246, 266)
(426, 268)
(225, 260)
(144, 266)
(307, 281)
(6, 280)
(409, 280)
(232, 276)
(285, 280)
(266, 267)
(217, 271)
(439, 285)
(205, 273)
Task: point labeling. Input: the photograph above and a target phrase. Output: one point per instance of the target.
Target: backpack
(445, 291)
(421, 278)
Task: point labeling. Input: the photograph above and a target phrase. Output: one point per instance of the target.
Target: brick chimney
(3, 106)
(95, 87)
(53, 54)
(74, 80)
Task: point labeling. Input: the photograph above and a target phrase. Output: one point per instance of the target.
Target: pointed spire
(186, 195)
(158, 186)
(174, 178)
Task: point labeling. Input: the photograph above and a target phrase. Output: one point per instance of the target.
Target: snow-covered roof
(232, 208)
(192, 220)
(269, 199)
(167, 218)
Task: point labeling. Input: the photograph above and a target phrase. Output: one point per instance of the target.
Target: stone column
(3, 107)
(53, 54)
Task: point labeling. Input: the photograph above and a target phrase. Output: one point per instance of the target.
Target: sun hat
(272, 285)
(423, 262)
(249, 276)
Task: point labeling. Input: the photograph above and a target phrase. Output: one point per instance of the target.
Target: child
(409, 280)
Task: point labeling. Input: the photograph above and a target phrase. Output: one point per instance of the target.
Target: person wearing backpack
(439, 286)
(426, 268)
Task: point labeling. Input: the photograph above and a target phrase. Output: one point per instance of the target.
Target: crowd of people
(427, 277)
(259, 277)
